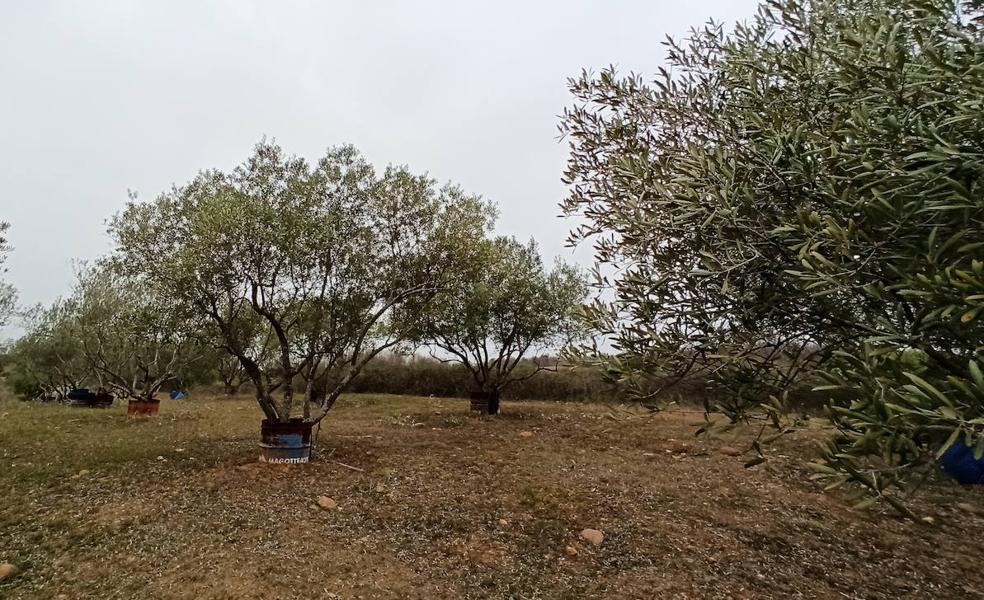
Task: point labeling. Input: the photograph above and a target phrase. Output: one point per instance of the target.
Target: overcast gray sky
(100, 97)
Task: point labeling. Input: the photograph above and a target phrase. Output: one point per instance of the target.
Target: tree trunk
(494, 402)
(268, 407)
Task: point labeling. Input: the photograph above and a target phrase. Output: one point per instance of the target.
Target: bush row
(421, 376)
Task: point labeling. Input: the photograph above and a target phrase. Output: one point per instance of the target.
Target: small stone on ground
(7, 570)
(327, 503)
(967, 507)
(593, 535)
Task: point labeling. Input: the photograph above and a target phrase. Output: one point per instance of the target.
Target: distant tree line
(422, 375)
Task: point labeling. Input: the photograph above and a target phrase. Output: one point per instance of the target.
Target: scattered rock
(676, 447)
(890, 541)
(928, 520)
(7, 570)
(84, 472)
(571, 550)
(503, 523)
(327, 503)
(968, 507)
(525, 434)
(729, 451)
(161, 458)
(593, 535)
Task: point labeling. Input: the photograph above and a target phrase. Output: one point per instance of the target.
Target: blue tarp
(958, 462)
(176, 395)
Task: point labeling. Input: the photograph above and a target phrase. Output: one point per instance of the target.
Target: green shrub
(422, 376)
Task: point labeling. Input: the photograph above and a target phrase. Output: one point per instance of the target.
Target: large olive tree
(502, 306)
(803, 192)
(309, 260)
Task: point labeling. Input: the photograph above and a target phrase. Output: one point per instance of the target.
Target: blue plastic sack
(177, 395)
(958, 462)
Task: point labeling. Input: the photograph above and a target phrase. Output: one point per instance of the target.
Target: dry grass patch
(436, 503)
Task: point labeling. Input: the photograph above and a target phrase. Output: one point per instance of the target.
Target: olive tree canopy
(132, 336)
(502, 306)
(805, 191)
(47, 362)
(311, 260)
(113, 331)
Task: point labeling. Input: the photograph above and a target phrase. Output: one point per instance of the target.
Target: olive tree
(8, 296)
(502, 306)
(130, 334)
(316, 258)
(800, 197)
(47, 361)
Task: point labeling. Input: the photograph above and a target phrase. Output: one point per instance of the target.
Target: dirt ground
(435, 503)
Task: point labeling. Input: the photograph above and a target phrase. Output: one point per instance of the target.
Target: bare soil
(436, 503)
